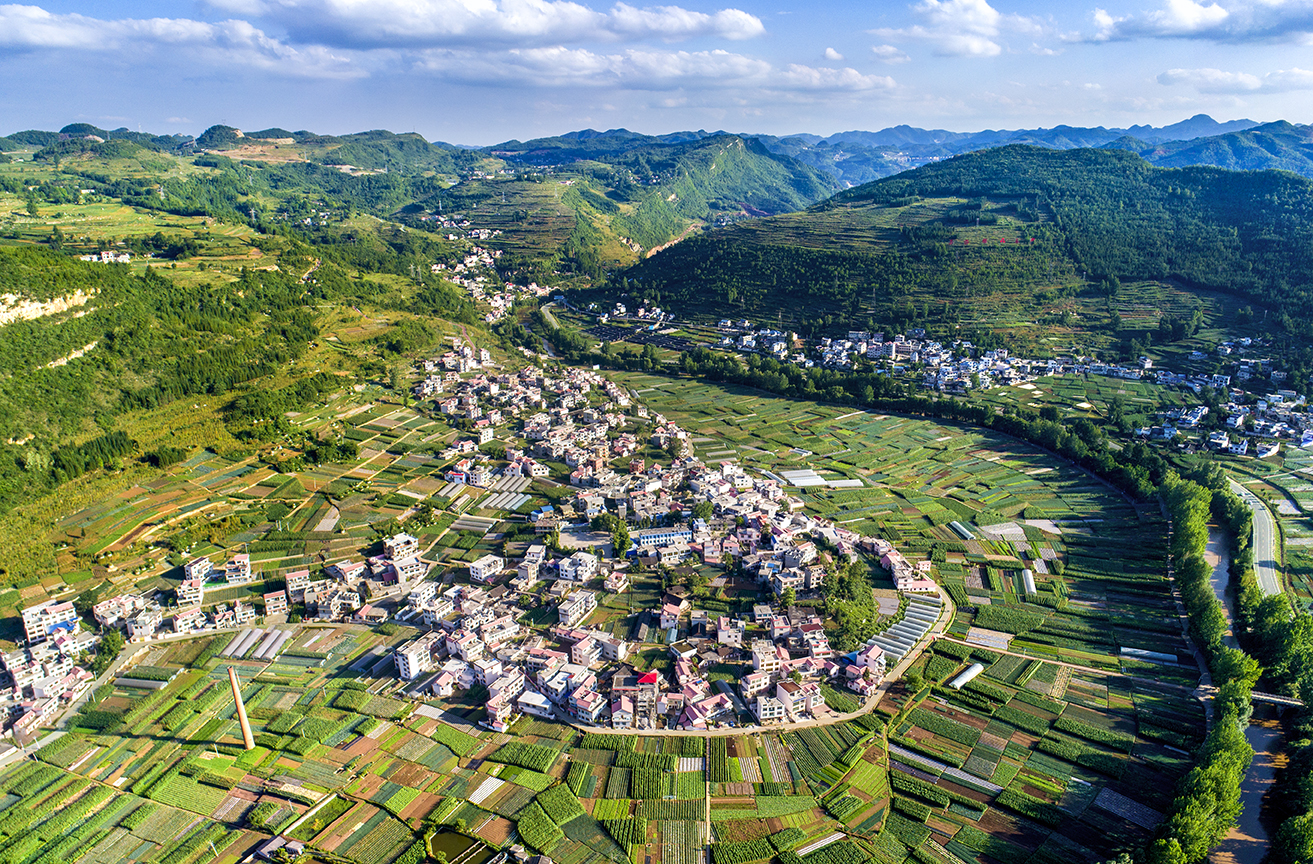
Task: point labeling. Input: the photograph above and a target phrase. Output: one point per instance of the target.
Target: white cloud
(960, 28)
(229, 43)
(640, 69)
(833, 55)
(1217, 81)
(889, 54)
(796, 77)
(455, 23)
(1235, 21)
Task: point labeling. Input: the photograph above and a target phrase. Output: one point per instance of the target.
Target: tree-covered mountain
(1280, 145)
(1105, 213)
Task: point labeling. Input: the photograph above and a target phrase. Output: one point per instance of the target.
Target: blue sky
(483, 71)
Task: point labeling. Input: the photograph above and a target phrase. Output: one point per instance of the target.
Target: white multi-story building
(197, 568)
(579, 567)
(238, 570)
(487, 670)
(465, 645)
(400, 546)
(189, 621)
(486, 568)
(585, 652)
(116, 611)
(409, 569)
(658, 537)
(191, 592)
(275, 603)
(415, 657)
(799, 699)
(144, 624)
(46, 620)
(765, 656)
(535, 704)
(769, 710)
(872, 658)
(586, 705)
(754, 684)
(575, 608)
(729, 631)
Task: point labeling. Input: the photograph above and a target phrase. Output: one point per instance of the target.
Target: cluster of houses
(108, 256)
(476, 273)
(959, 367)
(44, 674)
(471, 635)
(655, 315)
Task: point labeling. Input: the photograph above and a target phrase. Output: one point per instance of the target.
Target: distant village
(1254, 426)
(476, 273)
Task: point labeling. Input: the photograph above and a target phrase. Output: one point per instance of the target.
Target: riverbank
(1247, 842)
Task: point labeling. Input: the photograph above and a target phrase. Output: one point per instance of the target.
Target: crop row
(945, 726)
(628, 831)
(912, 809)
(532, 756)
(1022, 719)
(718, 760)
(455, 740)
(536, 829)
(649, 783)
(908, 832)
(672, 810)
(661, 761)
(909, 785)
(741, 852)
(598, 741)
(1111, 737)
(560, 805)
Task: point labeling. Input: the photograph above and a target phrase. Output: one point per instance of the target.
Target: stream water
(1247, 842)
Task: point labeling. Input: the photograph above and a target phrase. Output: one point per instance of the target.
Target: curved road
(1266, 560)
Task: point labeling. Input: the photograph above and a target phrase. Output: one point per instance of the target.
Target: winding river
(1247, 842)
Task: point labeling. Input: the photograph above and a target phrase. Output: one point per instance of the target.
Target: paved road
(1266, 559)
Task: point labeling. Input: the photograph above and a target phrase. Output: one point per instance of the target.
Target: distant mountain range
(857, 157)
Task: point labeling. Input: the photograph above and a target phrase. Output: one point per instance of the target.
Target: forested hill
(1247, 232)
(1106, 213)
(1280, 145)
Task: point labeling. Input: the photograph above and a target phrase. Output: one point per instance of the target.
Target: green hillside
(589, 215)
(916, 240)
